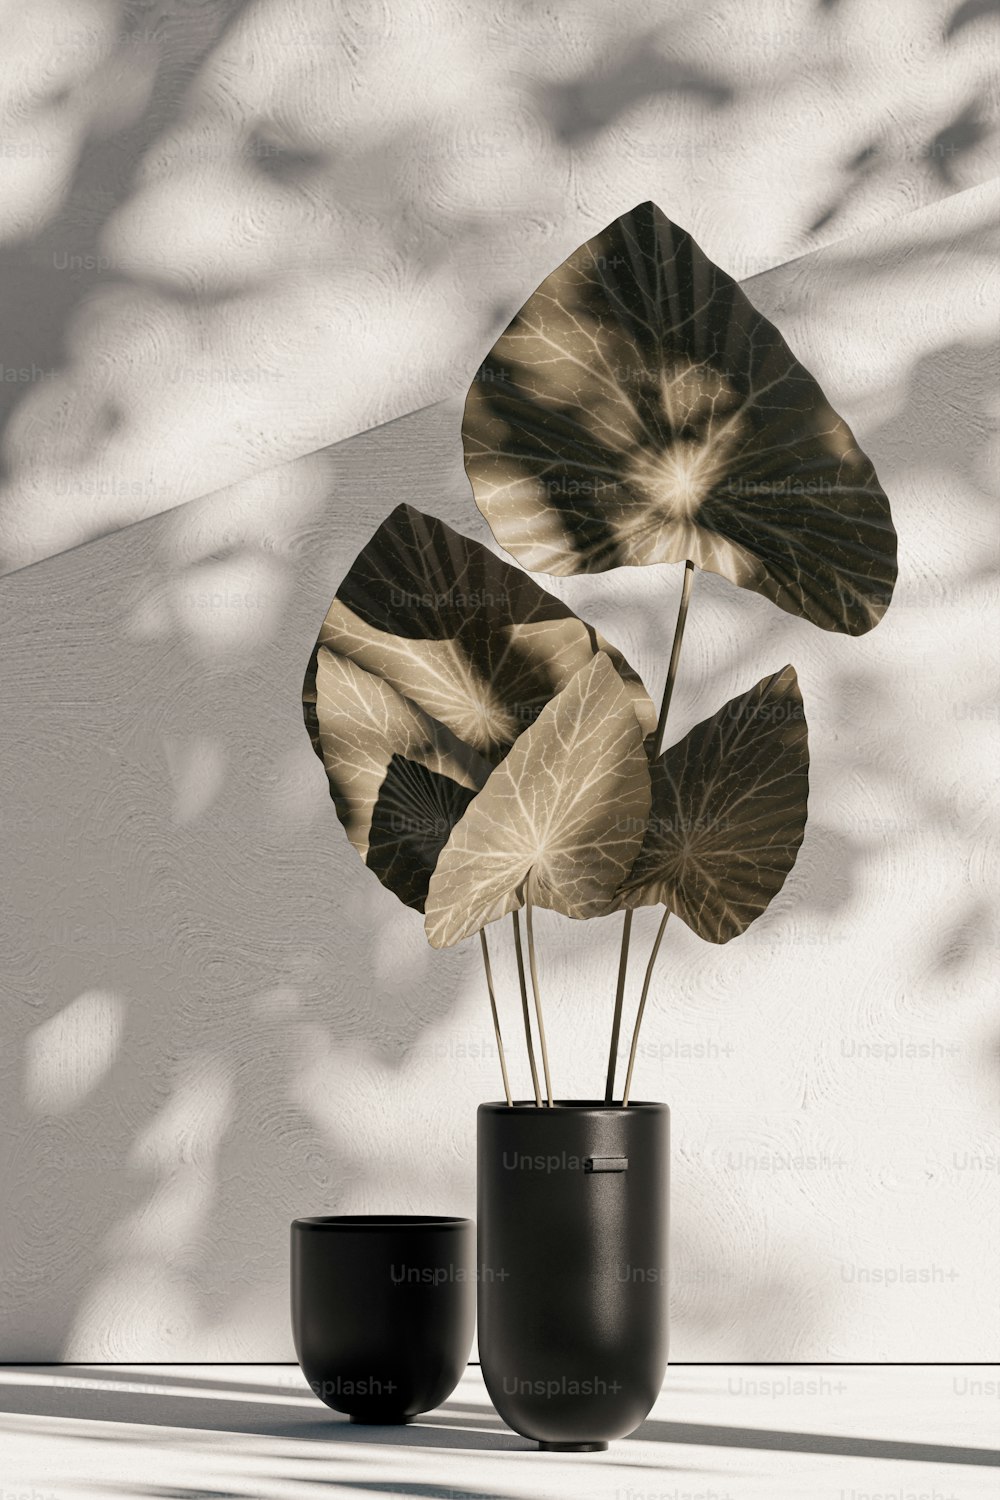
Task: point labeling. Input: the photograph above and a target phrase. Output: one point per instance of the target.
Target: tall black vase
(572, 1244)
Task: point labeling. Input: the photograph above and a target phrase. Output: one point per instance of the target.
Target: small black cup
(383, 1310)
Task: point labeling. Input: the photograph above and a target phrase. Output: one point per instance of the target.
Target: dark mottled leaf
(728, 813)
(568, 806)
(440, 653)
(416, 810)
(362, 724)
(640, 410)
(471, 640)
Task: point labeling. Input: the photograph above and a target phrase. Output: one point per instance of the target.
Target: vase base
(381, 1421)
(572, 1447)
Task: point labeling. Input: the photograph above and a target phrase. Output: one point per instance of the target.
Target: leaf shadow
(641, 69)
(47, 277)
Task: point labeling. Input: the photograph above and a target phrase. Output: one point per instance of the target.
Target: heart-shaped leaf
(433, 658)
(399, 780)
(640, 410)
(465, 636)
(567, 807)
(728, 813)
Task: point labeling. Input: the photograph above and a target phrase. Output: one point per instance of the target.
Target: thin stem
(642, 1005)
(535, 991)
(616, 1027)
(496, 1018)
(675, 656)
(524, 1006)
(661, 727)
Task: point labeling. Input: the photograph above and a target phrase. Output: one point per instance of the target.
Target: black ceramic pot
(383, 1311)
(572, 1267)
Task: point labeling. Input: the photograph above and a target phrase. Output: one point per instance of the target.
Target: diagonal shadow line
(390, 1487)
(155, 1382)
(448, 395)
(143, 1394)
(457, 1432)
(316, 1423)
(252, 474)
(422, 1432)
(843, 239)
(703, 1434)
(327, 1435)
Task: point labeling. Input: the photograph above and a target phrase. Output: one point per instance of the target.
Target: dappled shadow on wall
(228, 1017)
(184, 225)
(219, 998)
(639, 69)
(200, 948)
(115, 82)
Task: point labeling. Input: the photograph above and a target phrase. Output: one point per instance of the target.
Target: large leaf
(416, 810)
(640, 410)
(433, 658)
(567, 806)
(728, 813)
(471, 640)
(399, 780)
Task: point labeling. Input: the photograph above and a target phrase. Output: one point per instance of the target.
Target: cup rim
(368, 1222)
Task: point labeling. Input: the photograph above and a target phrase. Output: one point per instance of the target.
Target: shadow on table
(442, 1491)
(297, 1418)
(142, 1381)
(150, 1400)
(706, 1435)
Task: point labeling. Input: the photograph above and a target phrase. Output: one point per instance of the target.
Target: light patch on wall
(68, 1055)
(191, 1124)
(171, 1219)
(197, 769)
(143, 1299)
(284, 1001)
(180, 1146)
(291, 798)
(150, 620)
(57, 79)
(138, 1305)
(231, 604)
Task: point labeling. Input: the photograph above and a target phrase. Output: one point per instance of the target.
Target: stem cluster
(675, 652)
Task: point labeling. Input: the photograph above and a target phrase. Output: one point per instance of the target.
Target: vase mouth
(381, 1221)
(573, 1106)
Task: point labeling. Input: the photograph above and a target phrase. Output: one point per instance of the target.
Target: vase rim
(577, 1106)
(381, 1221)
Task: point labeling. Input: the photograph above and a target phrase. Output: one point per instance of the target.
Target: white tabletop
(719, 1432)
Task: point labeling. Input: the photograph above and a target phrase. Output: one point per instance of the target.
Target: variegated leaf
(469, 639)
(362, 725)
(416, 810)
(567, 806)
(640, 410)
(728, 813)
(433, 658)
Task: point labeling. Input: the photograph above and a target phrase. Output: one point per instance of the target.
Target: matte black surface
(573, 1267)
(573, 1447)
(383, 1311)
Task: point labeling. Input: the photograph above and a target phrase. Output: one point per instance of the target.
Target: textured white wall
(213, 1018)
(232, 233)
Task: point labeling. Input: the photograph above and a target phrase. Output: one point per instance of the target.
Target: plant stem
(642, 1005)
(661, 727)
(535, 991)
(616, 1026)
(524, 1006)
(496, 1018)
(675, 656)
